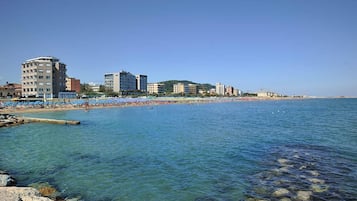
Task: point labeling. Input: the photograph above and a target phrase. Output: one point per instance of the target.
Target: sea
(302, 149)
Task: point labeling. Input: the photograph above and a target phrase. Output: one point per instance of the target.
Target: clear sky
(294, 47)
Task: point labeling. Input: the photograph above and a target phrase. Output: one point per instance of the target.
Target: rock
(45, 189)
(285, 199)
(283, 161)
(314, 173)
(318, 188)
(303, 195)
(280, 192)
(21, 193)
(316, 181)
(6, 180)
(302, 167)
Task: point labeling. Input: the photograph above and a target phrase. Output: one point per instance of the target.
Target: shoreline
(100, 104)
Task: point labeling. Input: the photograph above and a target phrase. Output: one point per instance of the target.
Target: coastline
(100, 104)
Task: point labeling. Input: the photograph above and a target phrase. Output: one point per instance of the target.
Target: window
(40, 65)
(48, 83)
(48, 71)
(48, 89)
(40, 77)
(41, 84)
(40, 71)
(48, 77)
(48, 64)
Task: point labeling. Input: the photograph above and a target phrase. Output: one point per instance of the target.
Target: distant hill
(169, 85)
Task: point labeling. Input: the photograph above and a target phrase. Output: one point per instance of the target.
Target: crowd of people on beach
(67, 104)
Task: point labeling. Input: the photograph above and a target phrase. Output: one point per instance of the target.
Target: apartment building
(120, 82)
(141, 82)
(43, 77)
(181, 88)
(73, 84)
(192, 89)
(220, 89)
(155, 88)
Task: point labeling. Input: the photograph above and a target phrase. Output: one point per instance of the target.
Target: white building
(43, 77)
(155, 88)
(220, 89)
(141, 82)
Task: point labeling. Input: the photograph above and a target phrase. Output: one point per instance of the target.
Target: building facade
(10, 90)
(73, 84)
(120, 82)
(43, 77)
(220, 89)
(155, 88)
(192, 88)
(141, 82)
(181, 88)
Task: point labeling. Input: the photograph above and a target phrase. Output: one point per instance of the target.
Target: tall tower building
(220, 89)
(43, 77)
(141, 82)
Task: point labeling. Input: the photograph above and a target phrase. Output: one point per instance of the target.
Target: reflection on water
(304, 172)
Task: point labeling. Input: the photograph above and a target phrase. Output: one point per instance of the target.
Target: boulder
(303, 195)
(6, 180)
(21, 193)
(280, 192)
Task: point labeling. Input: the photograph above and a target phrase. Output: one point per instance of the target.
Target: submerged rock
(303, 195)
(45, 189)
(318, 188)
(280, 192)
(316, 181)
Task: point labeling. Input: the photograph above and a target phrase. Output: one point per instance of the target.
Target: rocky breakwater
(10, 120)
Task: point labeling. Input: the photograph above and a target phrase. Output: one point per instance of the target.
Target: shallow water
(221, 151)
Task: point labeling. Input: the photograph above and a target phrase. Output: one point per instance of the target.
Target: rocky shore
(36, 192)
(9, 191)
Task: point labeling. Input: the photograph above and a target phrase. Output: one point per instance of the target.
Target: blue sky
(291, 47)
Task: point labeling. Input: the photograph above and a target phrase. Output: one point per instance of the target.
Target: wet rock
(283, 161)
(280, 192)
(303, 195)
(45, 189)
(6, 179)
(285, 199)
(302, 167)
(318, 188)
(316, 181)
(314, 173)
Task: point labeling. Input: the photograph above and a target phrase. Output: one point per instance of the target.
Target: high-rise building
(120, 82)
(43, 77)
(73, 84)
(155, 88)
(220, 89)
(141, 82)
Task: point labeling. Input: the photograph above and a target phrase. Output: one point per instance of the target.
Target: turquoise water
(219, 151)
